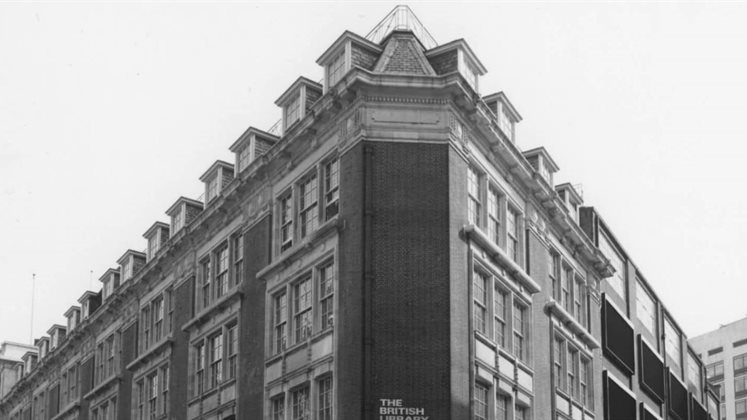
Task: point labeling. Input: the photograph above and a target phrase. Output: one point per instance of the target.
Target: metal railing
(402, 18)
(275, 129)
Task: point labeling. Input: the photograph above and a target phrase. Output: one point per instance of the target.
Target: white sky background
(109, 112)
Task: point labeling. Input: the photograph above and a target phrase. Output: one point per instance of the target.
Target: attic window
(336, 69)
(245, 157)
(505, 122)
(467, 70)
(108, 288)
(212, 189)
(177, 221)
(292, 112)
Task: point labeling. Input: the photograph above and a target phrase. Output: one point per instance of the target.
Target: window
(140, 409)
(740, 362)
(494, 215)
(152, 384)
(280, 303)
(480, 292)
(110, 350)
(501, 407)
(473, 199)
(326, 294)
(558, 360)
(215, 344)
(245, 156)
(522, 413)
(645, 308)
(672, 343)
(715, 370)
(579, 301)
(505, 123)
(300, 405)
(177, 222)
(741, 407)
(512, 237)
(302, 309)
(152, 246)
(336, 69)
(211, 189)
(565, 289)
(157, 312)
(331, 188)
(232, 344)
(520, 326)
(285, 207)
(199, 383)
(617, 281)
(585, 378)
(145, 327)
(206, 274)
(164, 390)
(573, 372)
(308, 211)
(481, 402)
(277, 405)
(740, 384)
(221, 272)
(500, 297)
(108, 290)
(293, 111)
(554, 270)
(170, 300)
(238, 258)
(325, 399)
(693, 374)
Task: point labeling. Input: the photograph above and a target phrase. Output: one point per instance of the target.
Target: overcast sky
(110, 112)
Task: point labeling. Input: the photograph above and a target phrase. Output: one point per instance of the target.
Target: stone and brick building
(390, 253)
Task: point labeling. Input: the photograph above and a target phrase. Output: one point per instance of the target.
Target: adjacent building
(724, 351)
(390, 253)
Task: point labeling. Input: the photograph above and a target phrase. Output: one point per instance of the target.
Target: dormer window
(457, 56)
(56, 335)
(292, 112)
(86, 309)
(467, 70)
(541, 161)
(297, 100)
(336, 69)
(211, 190)
(156, 235)
(252, 144)
(129, 264)
(177, 221)
(183, 211)
(73, 317)
(506, 115)
(245, 157)
(216, 178)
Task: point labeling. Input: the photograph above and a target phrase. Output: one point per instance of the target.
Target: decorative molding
(407, 100)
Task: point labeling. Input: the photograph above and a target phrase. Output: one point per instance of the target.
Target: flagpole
(31, 327)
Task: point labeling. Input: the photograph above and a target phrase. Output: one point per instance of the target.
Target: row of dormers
(347, 52)
(252, 144)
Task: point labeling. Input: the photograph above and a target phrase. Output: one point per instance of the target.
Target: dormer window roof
(73, 317)
(182, 212)
(252, 144)
(109, 283)
(347, 51)
(506, 115)
(89, 302)
(216, 178)
(457, 56)
(130, 263)
(297, 100)
(542, 163)
(56, 335)
(156, 236)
